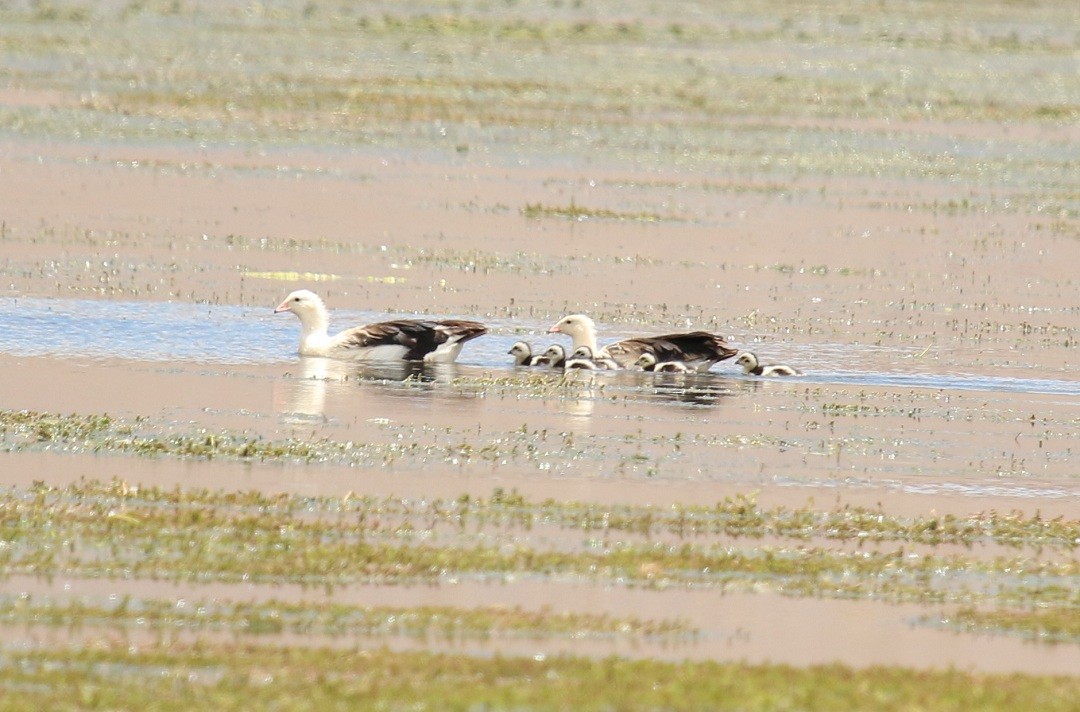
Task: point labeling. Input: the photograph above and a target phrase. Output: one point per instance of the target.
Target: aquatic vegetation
(578, 212)
(480, 261)
(832, 131)
(738, 517)
(120, 530)
(293, 276)
(636, 105)
(326, 620)
(176, 676)
(1038, 624)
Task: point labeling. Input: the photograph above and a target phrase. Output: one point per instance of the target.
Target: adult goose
(398, 340)
(699, 350)
(753, 367)
(648, 362)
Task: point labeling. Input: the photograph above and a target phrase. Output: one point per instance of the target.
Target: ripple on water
(146, 331)
(169, 331)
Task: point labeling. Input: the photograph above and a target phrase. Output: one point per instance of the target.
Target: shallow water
(740, 626)
(911, 245)
(226, 334)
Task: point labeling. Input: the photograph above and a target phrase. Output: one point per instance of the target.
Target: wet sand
(930, 297)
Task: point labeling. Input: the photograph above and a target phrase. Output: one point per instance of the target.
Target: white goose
(752, 367)
(648, 362)
(398, 340)
(698, 350)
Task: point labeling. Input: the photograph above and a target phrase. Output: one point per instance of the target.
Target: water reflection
(691, 388)
(304, 393)
(301, 394)
(223, 333)
(581, 405)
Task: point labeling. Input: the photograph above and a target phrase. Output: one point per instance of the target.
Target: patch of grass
(733, 517)
(655, 94)
(573, 211)
(95, 529)
(327, 619)
(226, 677)
(852, 409)
(1047, 625)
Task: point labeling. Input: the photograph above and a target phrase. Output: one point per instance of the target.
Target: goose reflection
(687, 388)
(301, 395)
(580, 402)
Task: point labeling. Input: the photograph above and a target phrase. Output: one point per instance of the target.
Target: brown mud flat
(913, 250)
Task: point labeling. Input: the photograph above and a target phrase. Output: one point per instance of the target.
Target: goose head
(582, 357)
(645, 362)
(747, 360)
(578, 327)
(521, 351)
(555, 355)
(306, 305)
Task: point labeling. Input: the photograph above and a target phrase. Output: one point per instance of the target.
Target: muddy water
(748, 627)
(921, 269)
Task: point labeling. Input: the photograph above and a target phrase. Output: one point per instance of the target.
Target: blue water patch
(230, 334)
(997, 384)
(145, 331)
(172, 331)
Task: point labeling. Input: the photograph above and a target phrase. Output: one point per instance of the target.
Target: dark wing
(691, 346)
(419, 336)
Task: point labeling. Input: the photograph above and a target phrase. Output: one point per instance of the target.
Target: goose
(698, 350)
(398, 340)
(554, 357)
(648, 362)
(583, 358)
(751, 366)
(522, 353)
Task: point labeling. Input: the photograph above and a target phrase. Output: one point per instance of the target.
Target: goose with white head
(430, 340)
(697, 350)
